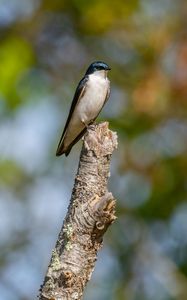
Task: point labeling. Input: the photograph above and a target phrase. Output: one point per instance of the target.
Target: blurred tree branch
(91, 211)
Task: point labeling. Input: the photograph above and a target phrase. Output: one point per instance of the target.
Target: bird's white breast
(93, 99)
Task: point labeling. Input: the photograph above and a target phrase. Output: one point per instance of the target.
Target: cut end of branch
(100, 140)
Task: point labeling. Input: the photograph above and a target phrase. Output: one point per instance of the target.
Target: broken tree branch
(91, 211)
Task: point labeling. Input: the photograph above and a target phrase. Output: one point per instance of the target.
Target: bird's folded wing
(78, 94)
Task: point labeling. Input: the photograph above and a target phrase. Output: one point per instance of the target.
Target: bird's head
(97, 66)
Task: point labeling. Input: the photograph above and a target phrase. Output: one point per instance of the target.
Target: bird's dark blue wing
(78, 94)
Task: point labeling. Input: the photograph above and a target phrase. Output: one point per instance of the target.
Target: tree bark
(91, 211)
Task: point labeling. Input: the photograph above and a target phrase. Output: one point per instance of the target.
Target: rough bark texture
(91, 211)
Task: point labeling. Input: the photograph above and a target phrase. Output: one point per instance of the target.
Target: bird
(90, 96)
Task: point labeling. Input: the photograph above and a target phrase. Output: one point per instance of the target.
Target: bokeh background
(45, 48)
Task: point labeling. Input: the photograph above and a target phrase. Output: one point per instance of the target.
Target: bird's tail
(62, 150)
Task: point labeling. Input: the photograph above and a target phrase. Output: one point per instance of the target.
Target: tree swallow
(90, 96)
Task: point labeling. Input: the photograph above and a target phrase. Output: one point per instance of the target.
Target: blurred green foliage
(16, 56)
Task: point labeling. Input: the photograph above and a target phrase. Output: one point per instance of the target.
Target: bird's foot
(84, 123)
(90, 125)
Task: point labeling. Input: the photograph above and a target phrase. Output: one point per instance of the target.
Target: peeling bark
(91, 211)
